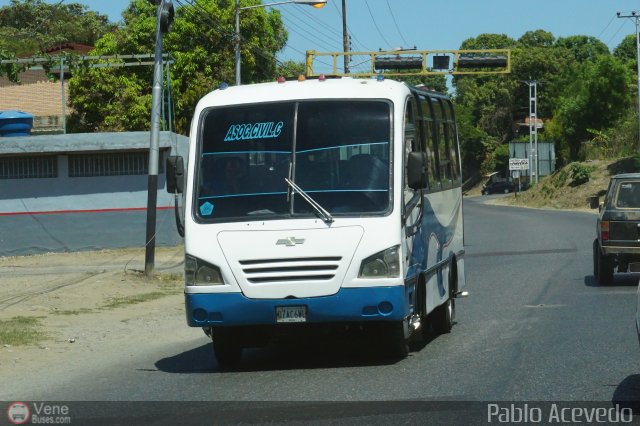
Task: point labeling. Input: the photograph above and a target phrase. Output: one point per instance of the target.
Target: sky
(429, 24)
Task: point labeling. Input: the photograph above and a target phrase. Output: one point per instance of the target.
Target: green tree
(291, 69)
(584, 48)
(626, 50)
(551, 67)
(489, 41)
(488, 98)
(471, 141)
(598, 97)
(201, 45)
(537, 38)
(28, 27)
(434, 82)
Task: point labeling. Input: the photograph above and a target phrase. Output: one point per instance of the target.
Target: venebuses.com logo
(18, 413)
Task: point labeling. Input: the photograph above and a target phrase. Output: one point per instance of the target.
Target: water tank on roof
(15, 123)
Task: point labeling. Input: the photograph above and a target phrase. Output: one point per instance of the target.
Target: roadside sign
(518, 164)
(515, 174)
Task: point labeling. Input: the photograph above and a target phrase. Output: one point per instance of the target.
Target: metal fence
(546, 156)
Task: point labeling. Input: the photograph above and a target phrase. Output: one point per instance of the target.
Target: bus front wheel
(397, 339)
(227, 348)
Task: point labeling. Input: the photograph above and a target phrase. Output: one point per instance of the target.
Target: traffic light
(441, 62)
(166, 16)
(398, 62)
(481, 60)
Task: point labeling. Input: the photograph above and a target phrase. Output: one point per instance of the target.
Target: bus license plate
(291, 313)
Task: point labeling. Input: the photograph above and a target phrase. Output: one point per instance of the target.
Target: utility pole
(635, 15)
(236, 42)
(164, 20)
(345, 36)
(533, 129)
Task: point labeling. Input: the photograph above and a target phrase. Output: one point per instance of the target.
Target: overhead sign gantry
(413, 62)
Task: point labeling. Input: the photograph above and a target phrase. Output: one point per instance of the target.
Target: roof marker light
(380, 77)
(322, 77)
(281, 79)
(301, 77)
(223, 86)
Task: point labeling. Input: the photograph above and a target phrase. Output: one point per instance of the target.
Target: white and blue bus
(324, 202)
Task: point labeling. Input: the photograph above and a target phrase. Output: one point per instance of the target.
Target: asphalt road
(536, 327)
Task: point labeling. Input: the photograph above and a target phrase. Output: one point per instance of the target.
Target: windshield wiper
(324, 215)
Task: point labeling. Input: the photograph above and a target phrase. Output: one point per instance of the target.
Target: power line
(301, 34)
(317, 34)
(396, 24)
(605, 28)
(322, 24)
(375, 24)
(351, 33)
(616, 33)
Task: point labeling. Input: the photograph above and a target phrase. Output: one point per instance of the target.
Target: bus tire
(442, 317)
(227, 348)
(397, 341)
(421, 307)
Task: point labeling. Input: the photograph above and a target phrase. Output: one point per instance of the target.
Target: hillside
(568, 188)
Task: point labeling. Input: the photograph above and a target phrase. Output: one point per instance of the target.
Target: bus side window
(430, 144)
(453, 150)
(443, 145)
(454, 153)
(411, 135)
(410, 129)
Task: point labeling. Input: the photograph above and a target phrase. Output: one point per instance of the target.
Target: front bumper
(348, 304)
(620, 250)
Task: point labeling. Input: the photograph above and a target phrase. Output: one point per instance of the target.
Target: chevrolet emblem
(289, 242)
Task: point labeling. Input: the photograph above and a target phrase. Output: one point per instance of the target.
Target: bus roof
(341, 88)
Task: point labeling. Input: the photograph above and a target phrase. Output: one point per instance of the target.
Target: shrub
(580, 173)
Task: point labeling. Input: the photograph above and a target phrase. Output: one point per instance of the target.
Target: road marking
(542, 305)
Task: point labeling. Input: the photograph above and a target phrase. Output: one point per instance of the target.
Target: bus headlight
(198, 272)
(385, 264)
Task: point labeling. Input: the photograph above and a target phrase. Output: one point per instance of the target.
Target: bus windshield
(337, 152)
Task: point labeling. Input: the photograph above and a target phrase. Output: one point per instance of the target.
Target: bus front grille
(264, 271)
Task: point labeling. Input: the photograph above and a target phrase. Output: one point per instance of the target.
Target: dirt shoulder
(566, 191)
(57, 308)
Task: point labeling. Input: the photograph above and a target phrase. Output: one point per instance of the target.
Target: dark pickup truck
(617, 242)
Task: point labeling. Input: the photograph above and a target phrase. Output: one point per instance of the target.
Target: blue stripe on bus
(298, 152)
(241, 195)
(341, 146)
(348, 304)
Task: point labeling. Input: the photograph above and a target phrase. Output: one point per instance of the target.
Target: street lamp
(164, 19)
(315, 3)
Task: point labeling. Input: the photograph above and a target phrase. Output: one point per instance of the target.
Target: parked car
(498, 187)
(617, 242)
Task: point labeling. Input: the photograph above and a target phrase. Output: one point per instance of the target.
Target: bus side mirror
(175, 174)
(416, 177)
